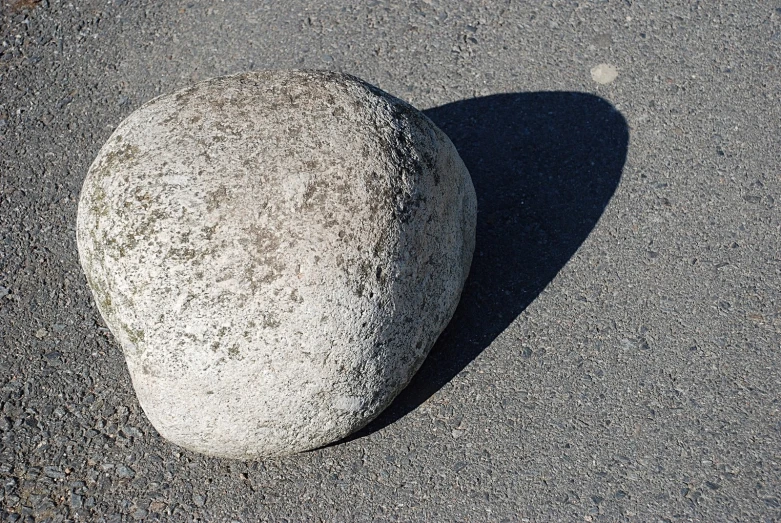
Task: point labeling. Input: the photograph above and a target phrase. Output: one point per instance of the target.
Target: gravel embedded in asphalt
(615, 355)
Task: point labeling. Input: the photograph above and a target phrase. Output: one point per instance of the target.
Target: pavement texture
(615, 356)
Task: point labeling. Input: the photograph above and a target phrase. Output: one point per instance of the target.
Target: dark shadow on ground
(544, 166)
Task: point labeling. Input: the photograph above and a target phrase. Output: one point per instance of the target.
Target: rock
(276, 253)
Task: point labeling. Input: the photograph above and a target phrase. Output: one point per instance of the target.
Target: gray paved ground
(620, 365)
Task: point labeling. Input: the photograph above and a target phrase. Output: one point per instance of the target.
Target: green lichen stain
(234, 353)
(103, 300)
(136, 336)
(208, 232)
(126, 154)
(99, 203)
(215, 199)
(186, 254)
(147, 225)
(270, 321)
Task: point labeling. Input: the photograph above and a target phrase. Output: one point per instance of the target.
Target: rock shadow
(544, 166)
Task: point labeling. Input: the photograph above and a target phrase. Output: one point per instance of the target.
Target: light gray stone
(276, 253)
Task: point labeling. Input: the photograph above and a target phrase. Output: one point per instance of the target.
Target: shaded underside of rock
(276, 253)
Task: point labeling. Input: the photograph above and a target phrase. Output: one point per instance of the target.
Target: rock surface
(276, 253)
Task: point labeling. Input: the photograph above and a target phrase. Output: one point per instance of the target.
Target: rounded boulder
(276, 253)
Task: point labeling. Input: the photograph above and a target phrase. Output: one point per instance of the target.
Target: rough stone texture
(276, 252)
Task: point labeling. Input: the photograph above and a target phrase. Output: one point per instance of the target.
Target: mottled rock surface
(276, 253)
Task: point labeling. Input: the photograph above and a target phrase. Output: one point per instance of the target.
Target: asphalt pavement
(616, 355)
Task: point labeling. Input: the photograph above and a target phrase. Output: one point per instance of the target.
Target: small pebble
(77, 501)
(125, 472)
(53, 472)
(604, 73)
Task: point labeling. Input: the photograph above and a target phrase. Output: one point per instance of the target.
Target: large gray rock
(276, 253)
